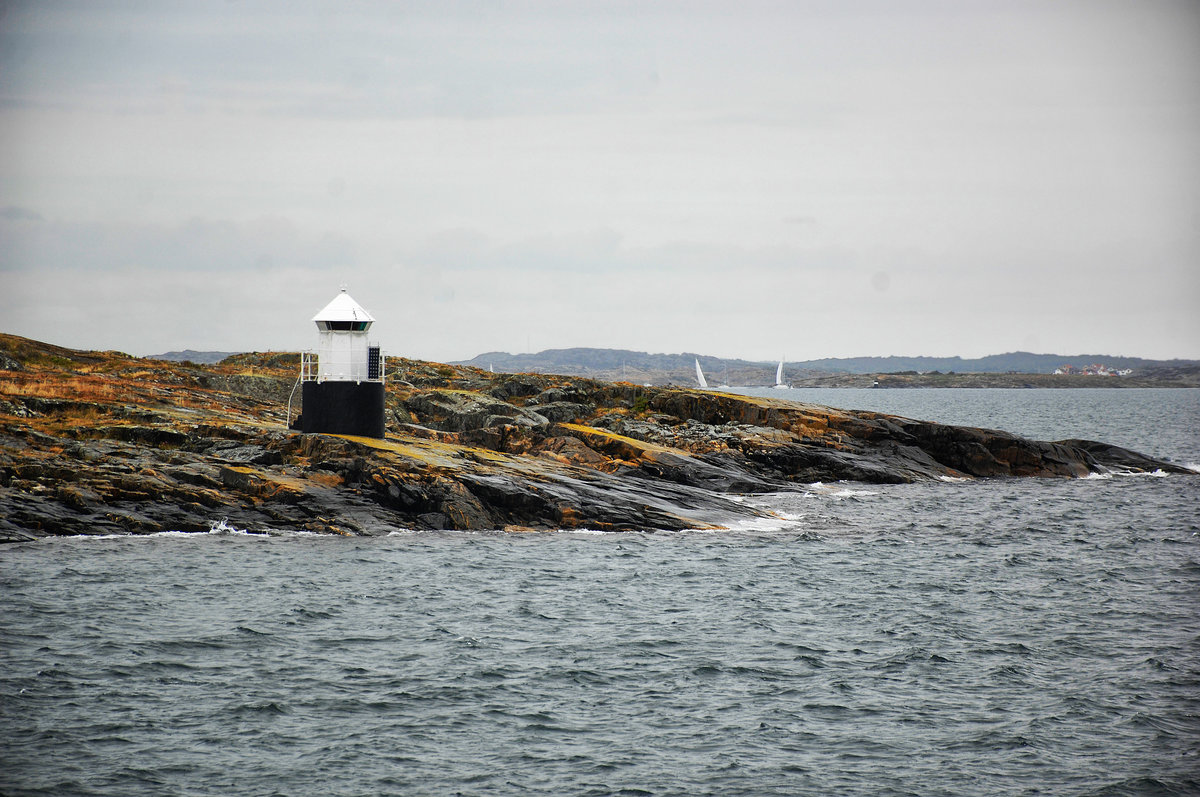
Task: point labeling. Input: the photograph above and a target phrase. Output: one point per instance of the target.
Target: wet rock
(982, 452)
(1115, 458)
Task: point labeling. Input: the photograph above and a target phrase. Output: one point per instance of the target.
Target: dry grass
(72, 388)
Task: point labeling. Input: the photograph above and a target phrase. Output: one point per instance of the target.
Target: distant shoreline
(916, 381)
(1163, 375)
(1011, 370)
(908, 381)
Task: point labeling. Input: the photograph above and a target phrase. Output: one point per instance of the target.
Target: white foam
(1105, 475)
(954, 479)
(780, 522)
(93, 537)
(833, 491)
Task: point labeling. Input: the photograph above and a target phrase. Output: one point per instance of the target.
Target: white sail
(779, 375)
(700, 376)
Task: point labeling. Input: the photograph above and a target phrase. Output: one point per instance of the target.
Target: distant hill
(638, 366)
(588, 361)
(1021, 362)
(188, 355)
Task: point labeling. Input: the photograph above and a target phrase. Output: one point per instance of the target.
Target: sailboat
(779, 377)
(700, 376)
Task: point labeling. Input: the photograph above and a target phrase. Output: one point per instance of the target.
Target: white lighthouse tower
(343, 380)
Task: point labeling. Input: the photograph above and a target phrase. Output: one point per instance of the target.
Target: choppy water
(1162, 422)
(998, 637)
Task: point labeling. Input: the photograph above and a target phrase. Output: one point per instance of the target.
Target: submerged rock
(101, 443)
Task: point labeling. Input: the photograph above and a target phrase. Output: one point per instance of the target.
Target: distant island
(106, 443)
(1015, 369)
(193, 356)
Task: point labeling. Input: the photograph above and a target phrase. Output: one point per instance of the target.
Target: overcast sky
(738, 179)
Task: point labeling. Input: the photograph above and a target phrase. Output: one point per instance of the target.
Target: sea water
(985, 637)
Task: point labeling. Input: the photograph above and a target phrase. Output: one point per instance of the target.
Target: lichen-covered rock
(104, 443)
(460, 411)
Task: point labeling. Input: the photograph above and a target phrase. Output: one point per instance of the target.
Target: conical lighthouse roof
(343, 308)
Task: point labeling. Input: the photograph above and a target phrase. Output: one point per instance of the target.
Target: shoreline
(101, 442)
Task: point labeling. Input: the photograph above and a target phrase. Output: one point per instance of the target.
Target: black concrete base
(343, 408)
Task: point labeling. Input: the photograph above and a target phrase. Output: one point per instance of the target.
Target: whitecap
(92, 537)
(1158, 474)
(839, 492)
(845, 492)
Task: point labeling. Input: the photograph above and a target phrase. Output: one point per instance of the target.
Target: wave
(831, 491)
(1155, 474)
(779, 522)
(220, 527)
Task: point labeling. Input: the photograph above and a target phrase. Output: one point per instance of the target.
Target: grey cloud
(199, 245)
(603, 251)
(18, 213)
(367, 61)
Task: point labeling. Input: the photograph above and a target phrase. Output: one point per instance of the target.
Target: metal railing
(343, 369)
(308, 366)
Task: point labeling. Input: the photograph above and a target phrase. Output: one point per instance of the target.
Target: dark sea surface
(984, 637)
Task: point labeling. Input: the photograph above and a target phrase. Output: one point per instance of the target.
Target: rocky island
(104, 443)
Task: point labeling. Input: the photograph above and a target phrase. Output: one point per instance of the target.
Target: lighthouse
(343, 378)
